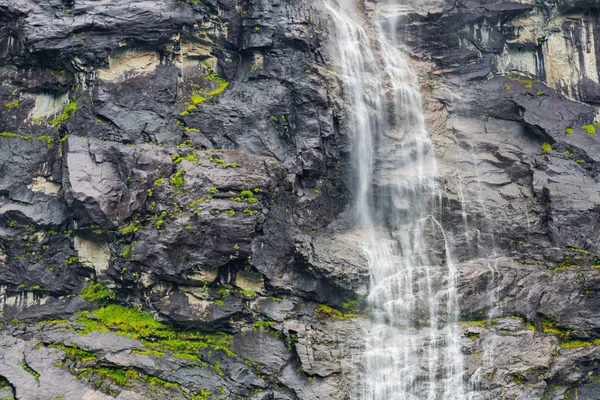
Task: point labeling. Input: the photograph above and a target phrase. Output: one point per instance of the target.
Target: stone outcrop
(189, 161)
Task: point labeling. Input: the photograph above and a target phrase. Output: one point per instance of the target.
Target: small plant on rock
(546, 147)
(589, 128)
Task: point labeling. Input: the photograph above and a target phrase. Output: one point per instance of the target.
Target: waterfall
(413, 344)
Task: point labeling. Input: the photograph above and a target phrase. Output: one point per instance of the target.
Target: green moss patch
(15, 135)
(68, 111)
(155, 335)
(96, 292)
(589, 128)
(330, 312)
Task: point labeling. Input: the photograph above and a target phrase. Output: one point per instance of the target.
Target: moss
(201, 95)
(68, 111)
(178, 159)
(48, 140)
(185, 356)
(126, 252)
(119, 377)
(159, 181)
(72, 260)
(589, 128)
(96, 292)
(197, 99)
(264, 324)
(54, 322)
(575, 344)
(196, 202)
(569, 131)
(330, 312)
(188, 129)
(506, 87)
(213, 190)
(75, 352)
(213, 77)
(156, 381)
(15, 135)
(529, 326)
(549, 325)
(202, 395)
(11, 104)
(154, 334)
(566, 263)
(131, 228)
(217, 160)
(528, 82)
(546, 147)
(149, 352)
(27, 368)
(231, 213)
(177, 180)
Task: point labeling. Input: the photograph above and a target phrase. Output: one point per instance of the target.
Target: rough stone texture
(182, 108)
(188, 156)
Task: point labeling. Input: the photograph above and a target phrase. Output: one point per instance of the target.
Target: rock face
(176, 194)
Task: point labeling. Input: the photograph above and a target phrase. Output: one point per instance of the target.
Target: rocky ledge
(175, 191)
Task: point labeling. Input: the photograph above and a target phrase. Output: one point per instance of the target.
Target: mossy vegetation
(15, 135)
(131, 228)
(11, 104)
(126, 251)
(68, 111)
(264, 324)
(569, 131)
(202, 95)
(27, 368)
(149, 352)
(96, 292)
(177, 179)
(155, 335)
(72, 260)
(330, 312)
(178, 159)
(48, 140)
(528, 82)
(75, 352)
(120, 377)
(589, 128)
(566, 263)
(575, 344)
(549, 325)
(546, 147)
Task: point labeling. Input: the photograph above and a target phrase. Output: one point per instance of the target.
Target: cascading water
(413, 346)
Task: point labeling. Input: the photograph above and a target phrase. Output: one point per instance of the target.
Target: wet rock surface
(191, 160)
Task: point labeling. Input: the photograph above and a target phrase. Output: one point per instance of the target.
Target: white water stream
(413, 348)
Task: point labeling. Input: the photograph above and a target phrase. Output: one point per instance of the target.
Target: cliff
(176, 193)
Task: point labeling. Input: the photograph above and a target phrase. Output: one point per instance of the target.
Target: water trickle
(413, 348)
